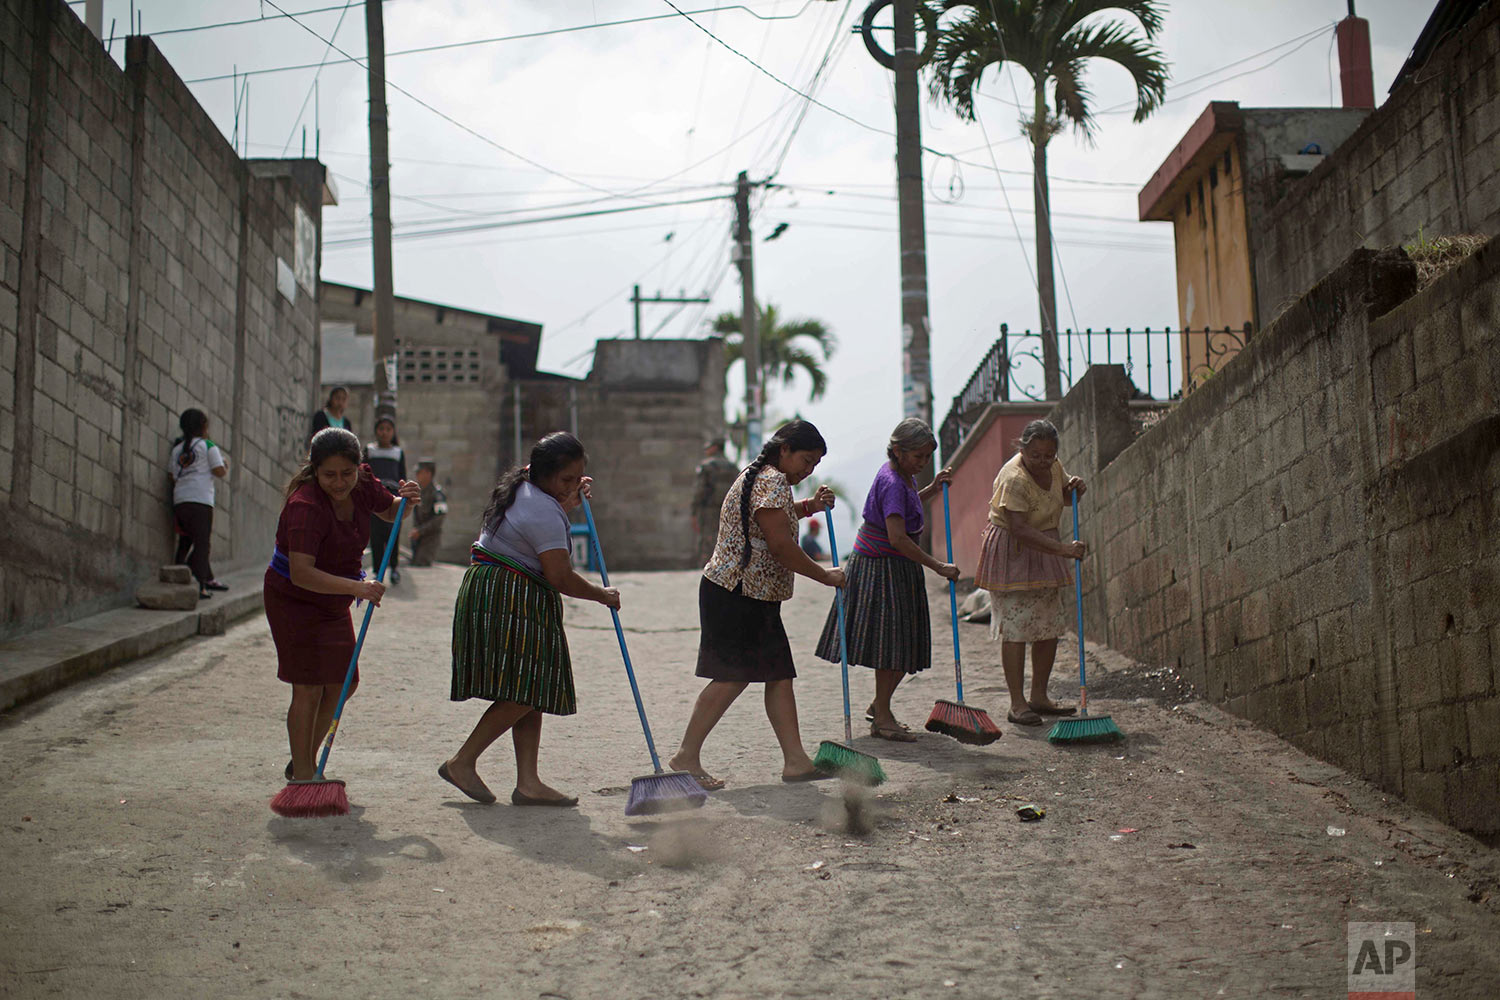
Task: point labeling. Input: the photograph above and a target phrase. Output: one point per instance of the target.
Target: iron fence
(1164, 363)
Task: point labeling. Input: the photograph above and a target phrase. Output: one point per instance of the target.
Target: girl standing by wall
(1023, 563)
(388, 462)
(194, 464)
(332, 413)
(740, 595)
(886, 598)
(313, 578)
(509, 647)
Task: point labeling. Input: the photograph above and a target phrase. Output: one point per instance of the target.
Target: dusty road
(138, 858)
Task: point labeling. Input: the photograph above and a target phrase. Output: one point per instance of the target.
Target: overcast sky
(610, 110)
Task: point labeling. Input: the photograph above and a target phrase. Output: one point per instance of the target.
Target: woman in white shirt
(194, 465)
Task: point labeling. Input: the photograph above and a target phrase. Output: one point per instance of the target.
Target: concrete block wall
(1308, 538)
(1427, 161)
(130, 290)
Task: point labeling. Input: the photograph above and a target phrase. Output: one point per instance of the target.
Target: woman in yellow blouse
(739, 599)
(1023, 563)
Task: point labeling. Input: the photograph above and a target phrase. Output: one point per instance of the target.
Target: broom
(964, 723)
(661, 791)
(841, 758)
(320, 796)
(1083, 728)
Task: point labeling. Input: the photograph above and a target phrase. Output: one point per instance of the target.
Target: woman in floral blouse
(740, 595)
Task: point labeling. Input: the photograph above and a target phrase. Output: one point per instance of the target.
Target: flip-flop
(517, 799)
(898, 734)
(814, 775)
(1026, 718)
(708, 782)
(485, 795)
(1054, 709)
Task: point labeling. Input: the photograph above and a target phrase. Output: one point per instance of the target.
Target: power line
(812, 86)
(482, 226)
(312, 87)
(249, 20)
(446, 46)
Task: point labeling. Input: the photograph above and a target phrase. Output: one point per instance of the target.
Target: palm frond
(1118, 43)
(1150, 13)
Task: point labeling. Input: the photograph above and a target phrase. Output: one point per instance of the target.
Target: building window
(445, 365)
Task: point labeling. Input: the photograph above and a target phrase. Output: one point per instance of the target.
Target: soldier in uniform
(427, 530)
(714, 477)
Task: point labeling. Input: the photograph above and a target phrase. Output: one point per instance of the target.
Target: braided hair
(799, 435)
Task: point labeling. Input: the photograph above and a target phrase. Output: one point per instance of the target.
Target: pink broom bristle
(964, 723)
(308, 799)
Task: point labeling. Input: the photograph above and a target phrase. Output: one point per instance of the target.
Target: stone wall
(1309, 537)
(1428, 162)
(139, 278)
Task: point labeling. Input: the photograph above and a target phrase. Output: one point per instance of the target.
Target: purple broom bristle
(666, 792)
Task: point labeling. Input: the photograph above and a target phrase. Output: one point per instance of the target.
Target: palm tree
(786, 347)
(1049, 40)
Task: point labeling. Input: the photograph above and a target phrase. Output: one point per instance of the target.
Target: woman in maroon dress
(314, 576)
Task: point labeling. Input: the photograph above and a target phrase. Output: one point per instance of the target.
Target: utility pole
(636, 300)
(916, 368)
(743, 256)
(380, 215)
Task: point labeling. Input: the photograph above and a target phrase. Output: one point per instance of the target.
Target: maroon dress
(313, 632)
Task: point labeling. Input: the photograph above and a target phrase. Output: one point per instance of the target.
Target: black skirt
(743, 640)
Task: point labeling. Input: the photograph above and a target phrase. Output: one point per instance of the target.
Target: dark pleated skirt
(885, 615)
(742, 639)
(509, 643)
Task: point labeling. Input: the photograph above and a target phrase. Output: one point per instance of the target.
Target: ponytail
(548, 456)
(799, 435)
(328, 443)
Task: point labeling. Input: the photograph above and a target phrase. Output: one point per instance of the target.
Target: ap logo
(1382, 961)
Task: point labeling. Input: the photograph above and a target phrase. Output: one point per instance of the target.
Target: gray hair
(909, 435)
(1037, 430)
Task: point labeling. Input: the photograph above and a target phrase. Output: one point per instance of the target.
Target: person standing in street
(313, 578)
(1024, 565)
(332, 413)
(427, 522)
(194, 464)
(743, 640)
(509, 647)
(810, 543)
(885, 603)
(714, 476)
(386, 459)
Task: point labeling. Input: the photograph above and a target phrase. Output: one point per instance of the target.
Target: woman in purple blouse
(885, 598)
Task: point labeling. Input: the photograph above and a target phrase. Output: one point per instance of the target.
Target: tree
(1050, 42)
(786, 347)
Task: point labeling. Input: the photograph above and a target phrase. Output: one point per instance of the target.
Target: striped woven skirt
(508, 639)
(885, 615)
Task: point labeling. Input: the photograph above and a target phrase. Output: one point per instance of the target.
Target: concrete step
(44, 661)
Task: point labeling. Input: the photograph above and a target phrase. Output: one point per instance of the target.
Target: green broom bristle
(1085, 729)
(848, 763)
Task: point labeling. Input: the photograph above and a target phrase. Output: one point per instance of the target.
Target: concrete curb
(36, 664)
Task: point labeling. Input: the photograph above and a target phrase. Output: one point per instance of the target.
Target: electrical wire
(312, 87)
(446, 46)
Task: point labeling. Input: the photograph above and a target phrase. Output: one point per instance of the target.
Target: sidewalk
(41, 662)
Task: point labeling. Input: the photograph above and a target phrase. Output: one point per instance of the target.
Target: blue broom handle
(958, 670)
(640, 708)
(1083, 684)
(833, 550)
(390, 545)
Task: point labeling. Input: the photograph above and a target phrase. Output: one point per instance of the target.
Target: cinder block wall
(1428, 161)
(138, 279)
(1309, 537)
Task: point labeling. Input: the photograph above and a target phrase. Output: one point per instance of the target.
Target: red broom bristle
(307, 799)
(964, 723)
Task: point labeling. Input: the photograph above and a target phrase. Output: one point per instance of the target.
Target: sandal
(870, 717)
(707, 782)
(1051, 708)
(1026, 718)
(896, 734)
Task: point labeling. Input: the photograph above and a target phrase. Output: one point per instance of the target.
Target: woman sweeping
(508, 642)
(739, 599)
(1023, 563)
(885, 601)
(314, 576)
(388, 462)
